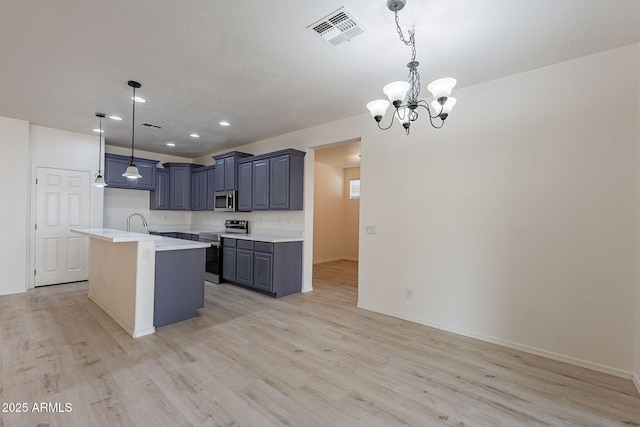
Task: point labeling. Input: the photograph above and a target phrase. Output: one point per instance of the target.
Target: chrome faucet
(144, 221)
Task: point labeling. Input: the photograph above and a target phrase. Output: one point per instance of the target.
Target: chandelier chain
(412, 37)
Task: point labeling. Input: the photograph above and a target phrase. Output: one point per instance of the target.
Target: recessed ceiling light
(138, 99)
(224, 123)
(98, 131)
(118, 118)
(171, 144)
(194, 135)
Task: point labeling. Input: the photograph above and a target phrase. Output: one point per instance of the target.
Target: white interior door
(62, 203)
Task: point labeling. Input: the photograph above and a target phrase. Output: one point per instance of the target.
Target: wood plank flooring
(310, 359)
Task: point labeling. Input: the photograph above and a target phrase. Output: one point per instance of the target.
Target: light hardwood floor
(310, 359)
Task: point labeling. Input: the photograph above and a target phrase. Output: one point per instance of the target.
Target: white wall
(336, 217)
(515, 223)
(351, 217)
(328, 216)
(14, 215)
(636, 377)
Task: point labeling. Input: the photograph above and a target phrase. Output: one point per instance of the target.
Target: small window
(354, 189)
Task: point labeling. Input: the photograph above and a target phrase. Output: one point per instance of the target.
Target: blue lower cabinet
(229, 259)
(274, 269)
(179, 285)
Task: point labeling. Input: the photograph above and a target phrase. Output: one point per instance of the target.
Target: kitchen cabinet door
(245, 173)
(201, 190)
(114, 167)
(230, 173)
(279, 182)
(219, 175)
(260, 182)
(244, 267)
(159, 197)
(195, 187)
(211, 188)
(263, 271)
(147, 169)
(229, 263)
(286, 181)
(180, 185)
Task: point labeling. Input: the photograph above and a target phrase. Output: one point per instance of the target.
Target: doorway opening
(336, 215)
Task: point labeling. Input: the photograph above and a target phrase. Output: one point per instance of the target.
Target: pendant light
(99, 181)
(132, 170)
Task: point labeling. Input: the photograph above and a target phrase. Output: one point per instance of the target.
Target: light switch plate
(372, 229)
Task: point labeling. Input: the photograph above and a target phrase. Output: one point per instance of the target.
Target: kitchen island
(145, 281)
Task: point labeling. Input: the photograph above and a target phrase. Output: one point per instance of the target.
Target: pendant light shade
(99, 181)
(132, 171)
(396, 92)
(441, 88)
(378, 108)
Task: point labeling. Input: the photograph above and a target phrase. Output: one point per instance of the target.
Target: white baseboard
(636, 381)
(513, 345)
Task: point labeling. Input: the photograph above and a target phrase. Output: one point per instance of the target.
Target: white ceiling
(255, 64)
(344, 154)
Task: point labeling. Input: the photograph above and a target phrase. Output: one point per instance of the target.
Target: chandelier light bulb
(378, 108)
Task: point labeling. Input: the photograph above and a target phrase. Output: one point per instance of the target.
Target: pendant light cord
(133, 125)
(100, 148)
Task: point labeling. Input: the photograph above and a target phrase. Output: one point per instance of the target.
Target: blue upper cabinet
(261, 185)
(116, 164)
(245, 174)
(211, 188)
(227, 170)
(276, 181)
(159, 198)
(202, 188)
(180, 185)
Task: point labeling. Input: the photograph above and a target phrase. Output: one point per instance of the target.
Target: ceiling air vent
(150, 126)
(338, 27)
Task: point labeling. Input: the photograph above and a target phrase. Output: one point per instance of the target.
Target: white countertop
(270, 236)
(171, 244)
(119, 236)
(192, 229)
(265, 237)
(115, 236)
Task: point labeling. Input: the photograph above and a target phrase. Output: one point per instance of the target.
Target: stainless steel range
(236, 226)
(213, 261)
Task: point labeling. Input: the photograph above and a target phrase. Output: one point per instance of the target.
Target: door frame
(96, 203)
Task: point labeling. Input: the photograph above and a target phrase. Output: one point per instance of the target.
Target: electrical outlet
(408, 293)
(372, 229)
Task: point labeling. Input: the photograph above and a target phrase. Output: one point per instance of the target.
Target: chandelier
(404, 94)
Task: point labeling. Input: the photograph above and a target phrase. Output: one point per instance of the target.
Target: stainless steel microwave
(226, 201)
